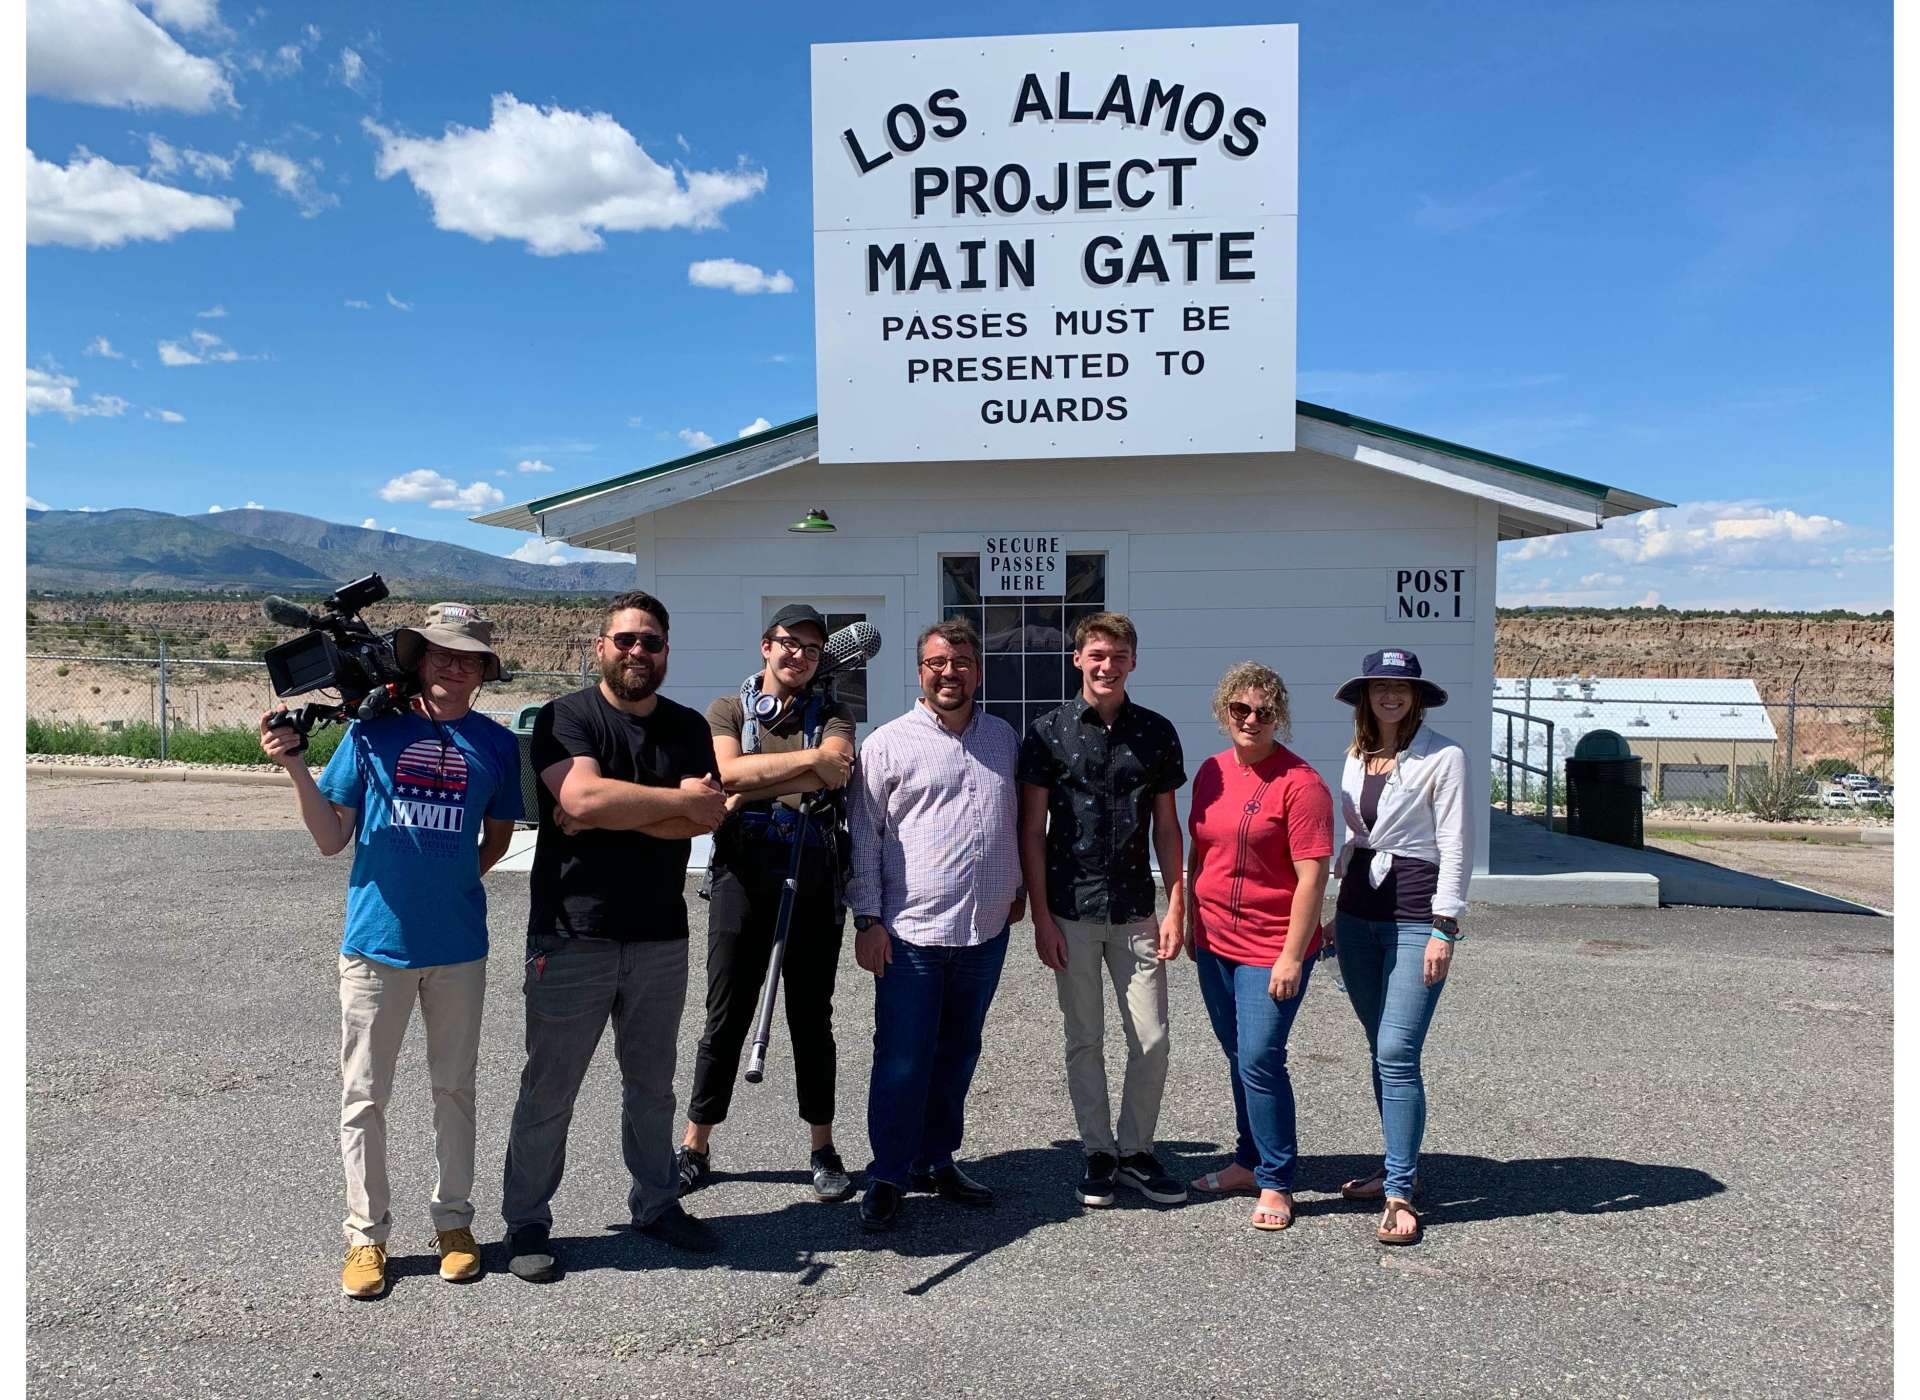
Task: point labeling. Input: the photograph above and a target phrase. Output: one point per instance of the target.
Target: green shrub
(224, 744)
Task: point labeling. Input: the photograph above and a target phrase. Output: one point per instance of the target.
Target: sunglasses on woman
(1239, 712)
(652, 643)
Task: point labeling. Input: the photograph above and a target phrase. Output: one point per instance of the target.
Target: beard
(631, 684)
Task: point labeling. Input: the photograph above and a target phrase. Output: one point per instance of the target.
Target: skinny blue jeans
(1252, 1028)
(1384, 966)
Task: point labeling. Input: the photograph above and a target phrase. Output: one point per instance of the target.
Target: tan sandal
(1211, 1185)
(1285, 1217)
(1386, 1236)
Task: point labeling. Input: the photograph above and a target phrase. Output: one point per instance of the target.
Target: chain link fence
(92, 689)
(1707, 748)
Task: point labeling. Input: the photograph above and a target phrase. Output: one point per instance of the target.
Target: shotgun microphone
(847, 648)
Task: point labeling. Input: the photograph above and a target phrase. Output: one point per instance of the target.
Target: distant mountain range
(272, 551)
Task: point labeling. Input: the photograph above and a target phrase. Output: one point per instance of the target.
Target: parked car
(1836, 797)
(1856, 780)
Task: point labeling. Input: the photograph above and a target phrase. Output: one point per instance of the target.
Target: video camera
(340, 653)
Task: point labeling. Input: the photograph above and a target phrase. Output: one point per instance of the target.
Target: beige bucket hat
(455, 626)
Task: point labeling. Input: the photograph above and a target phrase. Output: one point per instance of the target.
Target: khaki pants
(1128, 953)
(376, 1001)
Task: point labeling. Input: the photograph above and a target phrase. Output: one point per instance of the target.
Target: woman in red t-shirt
(1262, 833)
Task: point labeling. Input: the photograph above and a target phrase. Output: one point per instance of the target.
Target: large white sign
(1066, 245)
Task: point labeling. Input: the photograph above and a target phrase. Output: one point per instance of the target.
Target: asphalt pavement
(1659, 1162)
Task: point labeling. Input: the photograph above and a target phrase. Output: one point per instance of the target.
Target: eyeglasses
(957, 664)
(457, 660)
(1265, 714)
(652, 643)
(793, 646)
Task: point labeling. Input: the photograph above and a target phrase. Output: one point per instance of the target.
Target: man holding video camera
(776, 740)
(409, 790)
(627, 779)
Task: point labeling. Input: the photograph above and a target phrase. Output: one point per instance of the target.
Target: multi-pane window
(1028, 639)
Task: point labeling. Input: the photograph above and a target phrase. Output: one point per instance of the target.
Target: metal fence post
(163, 697)
(1793, 707)
(1549, 777)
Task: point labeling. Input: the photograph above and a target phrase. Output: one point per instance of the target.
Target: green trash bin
(1604, 790)
(529, 780)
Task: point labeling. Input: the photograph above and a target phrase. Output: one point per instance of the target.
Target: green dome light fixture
(815, 523)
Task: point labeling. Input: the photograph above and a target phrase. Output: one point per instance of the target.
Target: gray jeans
(574, 987)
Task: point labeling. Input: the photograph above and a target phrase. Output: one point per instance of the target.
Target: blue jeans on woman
(1253, 1028)
(928, 1009)
(1384, 966)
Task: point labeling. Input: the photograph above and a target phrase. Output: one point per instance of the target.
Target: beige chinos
(1129, 953)
(376, 1001)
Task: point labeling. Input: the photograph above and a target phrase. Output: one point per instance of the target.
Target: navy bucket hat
(1390, 665)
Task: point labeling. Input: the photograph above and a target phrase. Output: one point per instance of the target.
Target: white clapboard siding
(1284, 548)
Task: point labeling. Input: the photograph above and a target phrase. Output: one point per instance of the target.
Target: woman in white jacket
(1403, 888)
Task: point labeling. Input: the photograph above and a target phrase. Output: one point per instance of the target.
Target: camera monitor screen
(303, 664)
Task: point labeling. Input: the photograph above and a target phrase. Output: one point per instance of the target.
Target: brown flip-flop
(1387, 1236)
(1374, 1187)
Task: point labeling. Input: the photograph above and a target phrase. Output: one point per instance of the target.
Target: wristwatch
(863, 922)
(1448, 929)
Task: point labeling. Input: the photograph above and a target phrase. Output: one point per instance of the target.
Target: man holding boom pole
(775, 741)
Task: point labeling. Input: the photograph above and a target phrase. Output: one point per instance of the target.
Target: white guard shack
(1054, 281)
(1364, 536)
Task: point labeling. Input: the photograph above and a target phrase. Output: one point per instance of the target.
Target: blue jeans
(1384, 967)
(1253, 1030)
(928, 1009)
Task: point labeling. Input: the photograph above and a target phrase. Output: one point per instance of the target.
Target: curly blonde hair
(1264, 680)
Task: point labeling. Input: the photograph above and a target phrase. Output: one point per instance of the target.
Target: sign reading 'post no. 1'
(1070, 245)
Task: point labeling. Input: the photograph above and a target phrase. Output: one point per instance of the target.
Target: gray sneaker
(830, 1179)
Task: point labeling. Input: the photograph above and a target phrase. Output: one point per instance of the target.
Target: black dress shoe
(880, 1207)
(952, 1184)
(676, 1229)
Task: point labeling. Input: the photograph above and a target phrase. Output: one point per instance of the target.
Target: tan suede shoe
(459, 1256)
(364, 1275)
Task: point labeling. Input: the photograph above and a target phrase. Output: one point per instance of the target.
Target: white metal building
(1699, 739)
(1366, 535)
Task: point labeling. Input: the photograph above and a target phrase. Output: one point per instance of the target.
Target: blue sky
(353, 259)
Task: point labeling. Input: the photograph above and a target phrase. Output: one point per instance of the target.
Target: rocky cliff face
(1838, 660)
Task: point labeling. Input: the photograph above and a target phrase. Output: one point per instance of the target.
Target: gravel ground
(1853, 871)
(1627, 1109)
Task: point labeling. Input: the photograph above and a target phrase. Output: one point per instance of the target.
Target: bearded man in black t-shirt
(627, 779)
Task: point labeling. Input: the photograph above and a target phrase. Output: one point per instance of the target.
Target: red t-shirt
(1249, 824)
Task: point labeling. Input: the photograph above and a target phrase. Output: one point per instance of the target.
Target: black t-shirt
(614, 884)
(1406, 895)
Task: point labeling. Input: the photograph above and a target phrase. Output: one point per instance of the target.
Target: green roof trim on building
(1318, 412)
(1452, 449)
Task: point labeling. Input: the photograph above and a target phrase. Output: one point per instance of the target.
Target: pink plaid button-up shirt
(934, 816)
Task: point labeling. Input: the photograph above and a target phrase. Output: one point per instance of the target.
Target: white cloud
(742, 279)
(163, 158)
(358, 305)
(293, 180)
(53, 393)
(102, 347)
(758, 425)
(695, 439)
(556, 552)
(397, 304)
(107, 53)
(424, 486)
(369, 524)
(554, 179)
(351, 69)
(186, 14)
(208, 349)
(212, 313)
(93, 203)
(636, 421)
(1539, 547)
(1727, 534)
(215, 510)
(166, 415)
(32, 504)
(535, 465)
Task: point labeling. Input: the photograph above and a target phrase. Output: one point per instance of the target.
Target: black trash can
(1604, 790)
(529, 780)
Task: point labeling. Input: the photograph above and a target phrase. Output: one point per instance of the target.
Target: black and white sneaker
(1141, 1172)
(1096, 1187)
(692, 1167)
(830, 1179)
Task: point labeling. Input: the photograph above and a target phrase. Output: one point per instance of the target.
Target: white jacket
(1423, 816)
